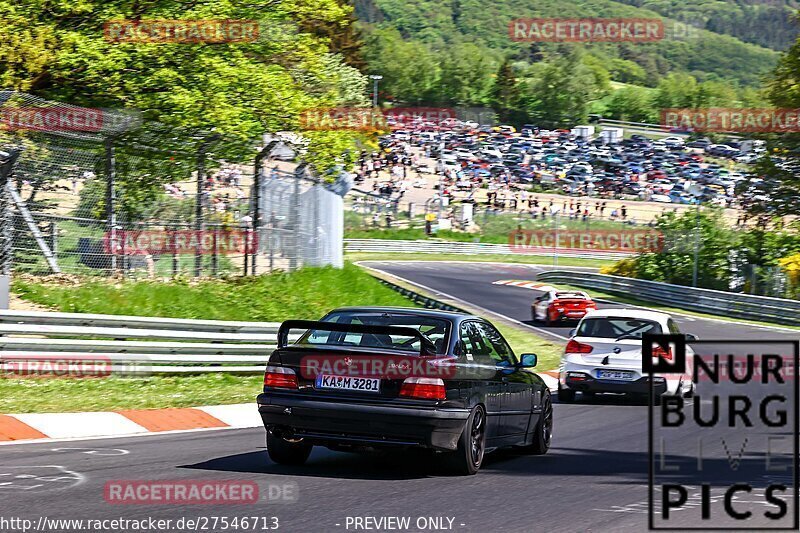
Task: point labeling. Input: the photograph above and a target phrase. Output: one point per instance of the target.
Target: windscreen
(571, 296)
(617, 328)
(437, 330)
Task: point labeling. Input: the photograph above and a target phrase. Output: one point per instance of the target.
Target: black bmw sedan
(363, 378)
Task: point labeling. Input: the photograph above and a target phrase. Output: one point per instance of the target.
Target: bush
(623, 267)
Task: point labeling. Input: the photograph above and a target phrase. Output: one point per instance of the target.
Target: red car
(556, 306)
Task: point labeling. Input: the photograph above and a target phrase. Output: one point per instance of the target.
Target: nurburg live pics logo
(725, 458)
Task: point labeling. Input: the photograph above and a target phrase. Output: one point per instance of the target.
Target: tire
(285, 452)
(547, 321)
(565, 395)
(543, 433)
(468, 457)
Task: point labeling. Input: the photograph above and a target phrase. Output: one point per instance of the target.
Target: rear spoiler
(426, 346)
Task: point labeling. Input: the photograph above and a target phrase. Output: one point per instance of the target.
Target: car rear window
(435, 329)
(570, 295)
(613, 328)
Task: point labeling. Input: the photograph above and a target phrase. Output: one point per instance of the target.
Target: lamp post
(375, 78)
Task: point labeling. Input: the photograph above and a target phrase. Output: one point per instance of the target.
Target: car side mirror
(528, 360)
(572, 332)
(692, 337)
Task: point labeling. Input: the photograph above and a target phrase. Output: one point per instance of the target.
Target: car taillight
(278, 377)
(658, 351)
(578, 347)
(423, 388)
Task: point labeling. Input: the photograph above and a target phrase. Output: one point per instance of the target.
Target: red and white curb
(40, 426)
(525, 284)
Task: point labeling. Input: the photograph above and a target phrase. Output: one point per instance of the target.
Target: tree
(675, 263)
(632, 103)
(411, 70)
(625, 71)
(779, 192)
(239, 90)
(506, 94)
(468, 73)
(675, 90)
(561, 93)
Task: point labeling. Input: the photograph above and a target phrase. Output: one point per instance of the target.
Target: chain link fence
(107, 193)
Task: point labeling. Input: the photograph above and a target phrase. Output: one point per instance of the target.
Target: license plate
(327, 381)
(614, 374)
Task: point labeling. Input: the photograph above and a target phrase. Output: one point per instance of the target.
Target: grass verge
(64, 395)
(308, 293)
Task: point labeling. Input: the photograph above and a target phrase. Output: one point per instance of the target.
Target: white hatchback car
(604, 354)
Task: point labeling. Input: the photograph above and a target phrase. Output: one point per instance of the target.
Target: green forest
(458, 52)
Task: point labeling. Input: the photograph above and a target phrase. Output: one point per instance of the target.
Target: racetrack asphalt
(593, 479)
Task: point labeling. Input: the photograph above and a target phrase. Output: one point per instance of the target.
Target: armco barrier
(720, 303)
(135, 345)
(468, 248)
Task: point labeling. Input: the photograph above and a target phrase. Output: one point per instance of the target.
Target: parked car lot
(641, 167)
